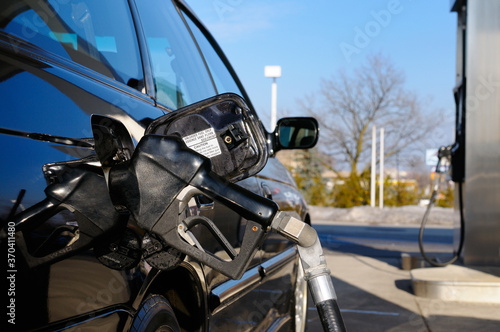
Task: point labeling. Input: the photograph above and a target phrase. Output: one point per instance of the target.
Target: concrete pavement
(376, 295)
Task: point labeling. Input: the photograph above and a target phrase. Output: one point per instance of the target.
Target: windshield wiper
(81, 142)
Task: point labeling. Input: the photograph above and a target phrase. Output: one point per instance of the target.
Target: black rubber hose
(424, 222)
(329, 314)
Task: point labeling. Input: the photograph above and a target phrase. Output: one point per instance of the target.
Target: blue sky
(312, 40)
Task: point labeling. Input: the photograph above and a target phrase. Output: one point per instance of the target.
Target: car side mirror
(295, 133)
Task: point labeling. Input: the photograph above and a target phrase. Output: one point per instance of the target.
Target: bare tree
(373, 95)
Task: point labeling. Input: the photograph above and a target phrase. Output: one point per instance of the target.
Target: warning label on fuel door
(204, 142)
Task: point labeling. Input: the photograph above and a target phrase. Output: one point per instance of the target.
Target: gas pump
(454, 155)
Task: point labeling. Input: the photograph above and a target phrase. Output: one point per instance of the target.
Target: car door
(56, 69)
(278, 254)
(186, 70)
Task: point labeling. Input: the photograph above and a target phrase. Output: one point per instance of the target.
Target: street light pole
(274, 102)
(273, 72)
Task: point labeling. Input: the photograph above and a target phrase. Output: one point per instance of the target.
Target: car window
(223, 79)
(97, 34)
(180, 74)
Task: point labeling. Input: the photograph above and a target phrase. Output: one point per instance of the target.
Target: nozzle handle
(246, 203)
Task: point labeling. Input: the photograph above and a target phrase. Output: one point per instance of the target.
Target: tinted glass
(297, 133)
(181, 77)
(223, 79)
(97, 34)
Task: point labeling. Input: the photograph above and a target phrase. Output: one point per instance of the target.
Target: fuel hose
(330, 316)
(435, 192)
(321, 287)
(316, 271)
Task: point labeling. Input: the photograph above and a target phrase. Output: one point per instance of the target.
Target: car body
(62, 61)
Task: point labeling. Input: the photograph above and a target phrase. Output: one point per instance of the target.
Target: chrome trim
(231, 290)
(273, 264)
(85, 318)
(280, 323)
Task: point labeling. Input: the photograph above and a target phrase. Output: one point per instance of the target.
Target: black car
(133, 61)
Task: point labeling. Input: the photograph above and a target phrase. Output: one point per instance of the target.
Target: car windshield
(99, 35)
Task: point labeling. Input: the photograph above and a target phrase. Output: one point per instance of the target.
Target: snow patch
(404, 215)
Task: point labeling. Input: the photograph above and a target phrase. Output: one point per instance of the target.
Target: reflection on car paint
(50, 84)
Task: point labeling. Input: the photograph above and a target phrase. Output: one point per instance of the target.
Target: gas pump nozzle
(81, 189)
(163, 167)
(162, 176)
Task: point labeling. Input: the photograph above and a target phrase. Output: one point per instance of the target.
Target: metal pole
(274, 92)
(274, 72)
(381, 194)
(374, 173)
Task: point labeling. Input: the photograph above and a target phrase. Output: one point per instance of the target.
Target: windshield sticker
(204, 142)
